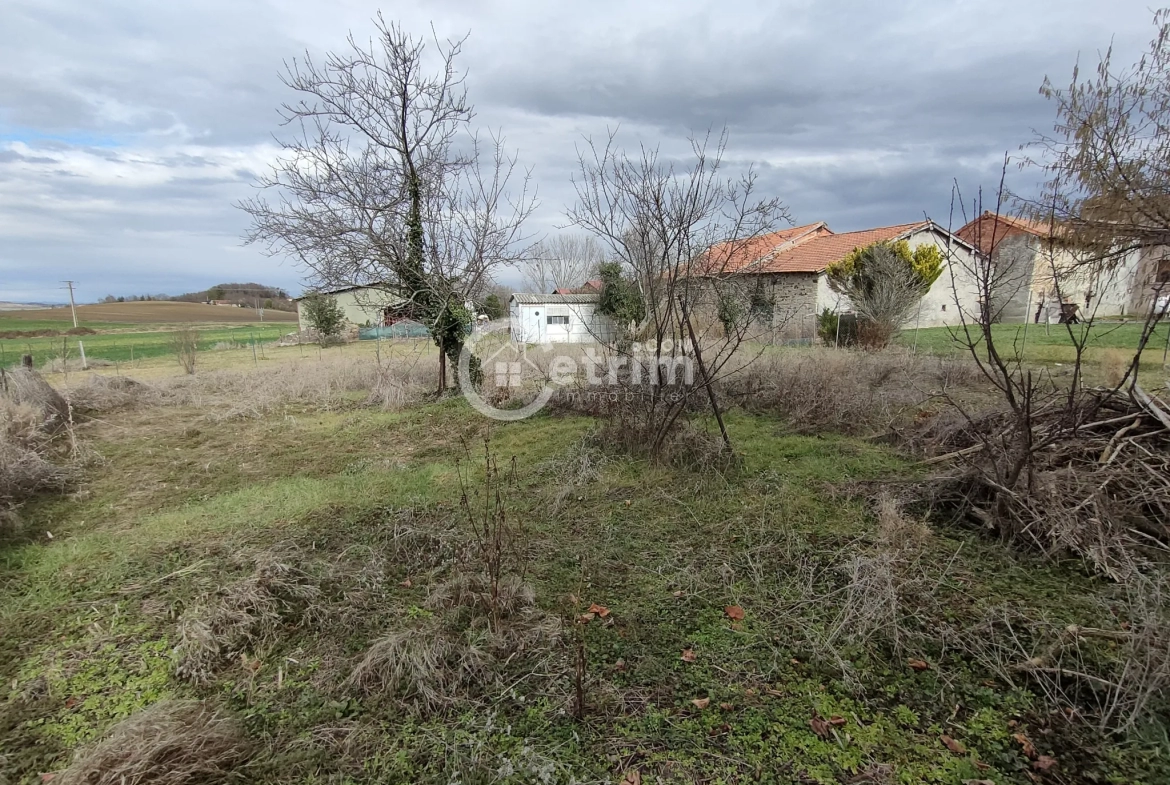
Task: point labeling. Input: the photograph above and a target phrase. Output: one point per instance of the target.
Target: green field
(124, 343)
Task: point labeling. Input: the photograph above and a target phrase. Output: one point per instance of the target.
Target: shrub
(324, 315)
(185, 345)
(885, 281)
(493, 308)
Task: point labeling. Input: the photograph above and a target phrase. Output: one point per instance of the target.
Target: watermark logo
(523, 378)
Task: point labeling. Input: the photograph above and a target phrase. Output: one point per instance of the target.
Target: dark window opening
(1163, 275)
(558, 320)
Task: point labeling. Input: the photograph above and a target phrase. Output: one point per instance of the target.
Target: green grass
(171, 514)
(1038, 340)
(123, 343)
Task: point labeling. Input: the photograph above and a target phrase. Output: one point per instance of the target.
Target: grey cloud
(141, 122)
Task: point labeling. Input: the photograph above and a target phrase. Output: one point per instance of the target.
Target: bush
(324, 315)
(885, 281)
(185, 344)
(493, 308)
(837, 329)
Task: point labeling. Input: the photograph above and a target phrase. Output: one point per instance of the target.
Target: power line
(72, 306)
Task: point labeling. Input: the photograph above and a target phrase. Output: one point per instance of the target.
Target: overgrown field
(314, 574)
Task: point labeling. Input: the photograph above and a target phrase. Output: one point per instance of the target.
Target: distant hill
(250, 295)
(25, 306)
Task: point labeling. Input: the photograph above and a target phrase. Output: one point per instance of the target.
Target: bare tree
(562, 261)
(677, 233)
(1107, 163)
(383, 185)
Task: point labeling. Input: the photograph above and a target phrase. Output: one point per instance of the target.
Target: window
(1163, 274)
(944, 306)
(558, 320)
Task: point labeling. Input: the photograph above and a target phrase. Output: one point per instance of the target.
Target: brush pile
(1087, 476)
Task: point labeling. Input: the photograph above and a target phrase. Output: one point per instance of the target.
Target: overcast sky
(129, 128)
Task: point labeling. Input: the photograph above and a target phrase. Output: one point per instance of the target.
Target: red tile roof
(817, 253)
(727, 258)
(989, 230)
(589, 287)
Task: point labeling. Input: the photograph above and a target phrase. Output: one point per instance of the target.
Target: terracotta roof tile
(727, 258)
(819, 252)
(989, 230)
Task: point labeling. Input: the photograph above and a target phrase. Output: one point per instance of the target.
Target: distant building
(788, 268)
(363, 306)
(589, 287)
(1032, 255)
(558, 318)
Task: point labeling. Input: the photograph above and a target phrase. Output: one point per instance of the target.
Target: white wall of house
(938, 306)
(549, 322)
(359, 305)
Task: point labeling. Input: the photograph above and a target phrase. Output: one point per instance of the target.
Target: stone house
(789, 267)
(1036, 265)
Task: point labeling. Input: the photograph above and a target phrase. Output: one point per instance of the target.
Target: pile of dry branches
(1093, 478)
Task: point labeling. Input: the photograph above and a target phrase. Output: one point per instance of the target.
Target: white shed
(557, 318)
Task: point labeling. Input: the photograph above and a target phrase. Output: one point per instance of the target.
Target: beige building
(789, 266)
(364, 306)
(1040, 272)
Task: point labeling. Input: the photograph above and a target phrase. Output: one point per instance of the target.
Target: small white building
(558, 318)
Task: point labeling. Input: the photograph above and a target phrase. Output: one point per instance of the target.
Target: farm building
(1042, 264)
(789, 267)
(557, 318)
(363, 306)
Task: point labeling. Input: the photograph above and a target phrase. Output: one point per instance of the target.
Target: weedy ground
(304, 594)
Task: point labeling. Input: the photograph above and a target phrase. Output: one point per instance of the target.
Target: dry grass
(27, 447)
(846, 391)
(1116, 676)
(243, 614)
(169, 743)
(253, 393)
(450, 658)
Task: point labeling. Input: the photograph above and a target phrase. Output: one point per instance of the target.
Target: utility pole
(72, 306)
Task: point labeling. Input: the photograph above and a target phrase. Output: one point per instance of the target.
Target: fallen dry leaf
(1027, 745)
(1044, 763)
(620, 666)
(600, 610)
(48, 776)
(836, 720)
(820, 727)
(631, 777)
(734, 612)
(679, 593)
(701, 703)
(688, 655)
(919, 665)
(406, 583)
(585, 618)
(726, 706)
(952, 745)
